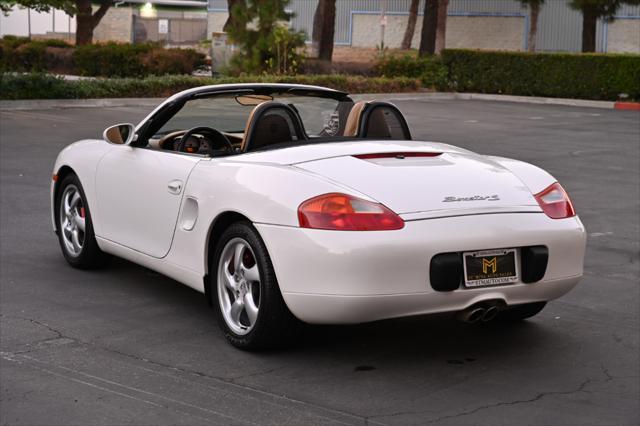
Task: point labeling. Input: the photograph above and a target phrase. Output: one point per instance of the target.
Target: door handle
(175, 186)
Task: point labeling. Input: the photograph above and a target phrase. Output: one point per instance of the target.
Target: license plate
(490, 267)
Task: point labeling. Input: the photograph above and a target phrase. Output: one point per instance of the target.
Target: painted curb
(151, 102)
(628, 106)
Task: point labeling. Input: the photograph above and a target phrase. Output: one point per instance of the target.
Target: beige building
(173, 21)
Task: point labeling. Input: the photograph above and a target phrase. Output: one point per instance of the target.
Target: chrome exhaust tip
(472, 315)
(490, 313)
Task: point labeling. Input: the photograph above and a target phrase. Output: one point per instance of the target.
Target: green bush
(110, 59)
(11, 41)
(429, 69)
(285, 47)
(133, 60)
(106, 60)
(266, 44)
(563, 75)
(42, 86)
(20, 54)
(172, 61)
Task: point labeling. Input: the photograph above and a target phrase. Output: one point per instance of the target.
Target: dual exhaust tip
(485, 311)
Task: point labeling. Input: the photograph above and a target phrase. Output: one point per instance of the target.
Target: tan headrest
(353, 119)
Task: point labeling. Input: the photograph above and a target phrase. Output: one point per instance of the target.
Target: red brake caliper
(82, 212)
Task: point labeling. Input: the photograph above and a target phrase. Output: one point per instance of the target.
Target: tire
(79, 247)
(521, 312)
(245, 292)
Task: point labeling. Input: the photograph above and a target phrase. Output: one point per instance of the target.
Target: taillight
(555, 202)
(342, 212)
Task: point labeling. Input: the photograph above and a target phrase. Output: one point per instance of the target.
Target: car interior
(273, 124)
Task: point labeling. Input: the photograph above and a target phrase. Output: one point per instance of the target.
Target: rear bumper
(351, 277)
(333, 309)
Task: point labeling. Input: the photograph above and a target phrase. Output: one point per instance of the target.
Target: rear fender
(532, 176)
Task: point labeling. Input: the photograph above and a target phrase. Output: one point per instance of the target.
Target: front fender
(82, 158)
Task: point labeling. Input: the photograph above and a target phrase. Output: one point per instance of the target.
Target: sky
(16, 23)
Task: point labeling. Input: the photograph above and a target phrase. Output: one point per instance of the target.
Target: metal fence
(559, 26)
(176, 31)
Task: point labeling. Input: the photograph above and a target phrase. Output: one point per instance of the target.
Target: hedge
(44, 86)
(429, 69)
(21, 54)
(556, 75)
(18, 54)
(562, 75)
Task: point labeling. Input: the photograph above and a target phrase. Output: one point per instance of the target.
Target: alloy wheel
(72, 216)
(238, 286)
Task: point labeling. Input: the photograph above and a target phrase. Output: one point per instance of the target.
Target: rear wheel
(75, 229)
(521, 312)
(249, 305)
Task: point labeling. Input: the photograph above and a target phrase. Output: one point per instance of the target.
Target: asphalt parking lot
(125, 345)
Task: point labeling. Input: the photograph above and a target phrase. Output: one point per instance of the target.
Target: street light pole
(383, 22)
(29, 22)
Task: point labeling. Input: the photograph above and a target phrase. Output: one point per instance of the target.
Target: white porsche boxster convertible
(287, 203)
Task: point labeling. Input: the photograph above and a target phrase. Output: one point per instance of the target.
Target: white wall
(16, 23)
(623, 35)
(470, 32)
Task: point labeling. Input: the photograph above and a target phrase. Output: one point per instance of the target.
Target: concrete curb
(151, 102)
(77, 103)
(487, 97)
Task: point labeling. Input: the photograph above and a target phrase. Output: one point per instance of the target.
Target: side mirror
(120, 134)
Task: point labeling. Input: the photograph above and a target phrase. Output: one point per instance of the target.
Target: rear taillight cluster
(342, 212)
(555, 202)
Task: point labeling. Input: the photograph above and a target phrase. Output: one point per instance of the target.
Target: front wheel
(75, 229)
(521, 312)
(249, 306)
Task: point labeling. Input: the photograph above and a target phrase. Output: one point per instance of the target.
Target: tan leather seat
(271, 123)
(376, 120)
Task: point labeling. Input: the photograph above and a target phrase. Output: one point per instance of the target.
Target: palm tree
(324, 28)
(441, 26)
(592, 10)
(411, 25)
(534, 11)
(429, 26)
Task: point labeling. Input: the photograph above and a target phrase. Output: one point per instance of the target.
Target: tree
(429, 27)
(231, 4)
(86, 20)
(411, 25)
(592, 10)
(267, 44)
(534, 11)
(324, 29)
(441, 26)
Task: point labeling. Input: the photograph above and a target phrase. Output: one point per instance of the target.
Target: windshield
(320, 116)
